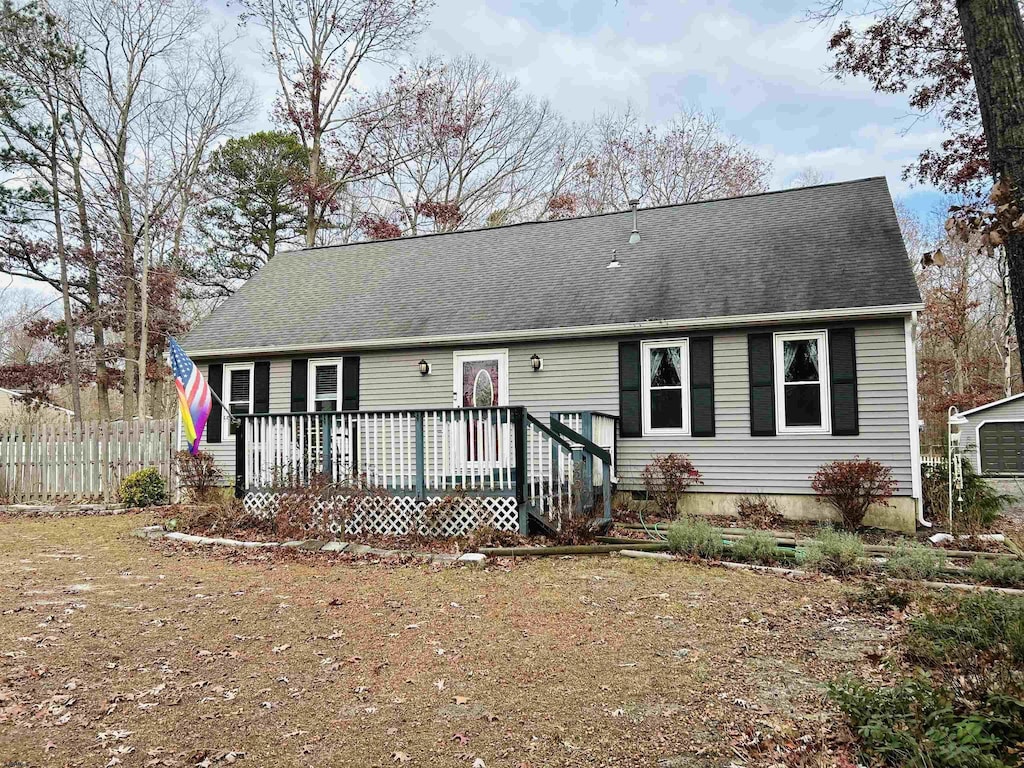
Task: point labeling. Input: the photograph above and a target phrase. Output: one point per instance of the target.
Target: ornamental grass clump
(852, 486)
(693, 537)
(915, 561)
(757, 547)
(836, 552)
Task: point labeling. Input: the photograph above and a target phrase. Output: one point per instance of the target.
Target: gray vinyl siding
(1009, 411)
(583, 375)
(733, 461)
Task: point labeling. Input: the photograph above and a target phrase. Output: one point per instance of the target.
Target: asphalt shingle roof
(815, 248)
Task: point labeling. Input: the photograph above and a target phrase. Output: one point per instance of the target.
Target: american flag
(194, 400)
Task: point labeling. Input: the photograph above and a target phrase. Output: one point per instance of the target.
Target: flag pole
(231, 417)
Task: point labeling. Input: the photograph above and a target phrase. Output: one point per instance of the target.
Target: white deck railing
(499, 451)
(468, 448)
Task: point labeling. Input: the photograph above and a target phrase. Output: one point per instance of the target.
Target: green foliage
(966, 709)
(694, 537)
(1005, 572)
(255, 186)
(757, 547)
(915, 561)
(981, 505)
(927, 725)
(969, 632)
(835, 552)
(143, 488)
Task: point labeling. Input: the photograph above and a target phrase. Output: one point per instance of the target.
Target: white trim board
(993, 404)
(913, 415)
(574, 332)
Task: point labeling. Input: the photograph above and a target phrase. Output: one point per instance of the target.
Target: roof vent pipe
(634, 236)
(614, 263)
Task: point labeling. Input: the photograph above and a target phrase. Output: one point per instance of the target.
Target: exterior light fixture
(537, 363)
(634, 236)
(424, 367)
(614, 263)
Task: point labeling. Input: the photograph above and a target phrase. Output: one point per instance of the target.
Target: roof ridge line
(590, 215)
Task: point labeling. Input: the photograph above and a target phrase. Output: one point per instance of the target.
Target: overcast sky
(757, 64)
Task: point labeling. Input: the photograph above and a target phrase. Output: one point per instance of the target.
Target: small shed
(992, 439)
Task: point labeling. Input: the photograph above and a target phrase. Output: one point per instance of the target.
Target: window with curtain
(666, 388)
(801, 381)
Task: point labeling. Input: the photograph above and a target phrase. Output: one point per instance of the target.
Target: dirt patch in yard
(117, 652)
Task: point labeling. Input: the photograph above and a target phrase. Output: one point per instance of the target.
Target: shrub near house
(853, 486)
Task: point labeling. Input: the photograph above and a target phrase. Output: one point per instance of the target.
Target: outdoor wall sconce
(537, 363)
(424, 367)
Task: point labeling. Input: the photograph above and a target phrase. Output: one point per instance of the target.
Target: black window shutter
(300, 369)
(702, 387)
(842, 367)
(762, 384)
(261, 387)
(350, 384)
(630, 413)
(215, 378)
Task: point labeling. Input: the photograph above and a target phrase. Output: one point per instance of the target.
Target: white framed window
(665, 382)
(325, 385)
(802, 403)
(238, 384)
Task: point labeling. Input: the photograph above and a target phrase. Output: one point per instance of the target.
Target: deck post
(606, 489)
(325, 446)
(579, 465)
(421, 485)
(240, 458)
(587, 430)
(519, 422)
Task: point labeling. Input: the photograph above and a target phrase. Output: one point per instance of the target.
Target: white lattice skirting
(399, 515)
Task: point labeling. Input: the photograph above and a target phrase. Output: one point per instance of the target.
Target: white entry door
(481, 379)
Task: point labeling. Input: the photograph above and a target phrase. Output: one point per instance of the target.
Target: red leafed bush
(667, 477)
(852, 486)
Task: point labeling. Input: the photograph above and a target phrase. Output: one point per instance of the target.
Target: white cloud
(765, 80)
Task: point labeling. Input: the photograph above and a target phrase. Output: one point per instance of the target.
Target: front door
(481, 379)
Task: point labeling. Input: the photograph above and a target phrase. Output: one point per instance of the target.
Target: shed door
(1002, 447)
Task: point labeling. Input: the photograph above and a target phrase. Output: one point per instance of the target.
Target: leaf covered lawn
(115, 651)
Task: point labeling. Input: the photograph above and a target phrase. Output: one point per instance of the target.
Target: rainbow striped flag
(194, 398)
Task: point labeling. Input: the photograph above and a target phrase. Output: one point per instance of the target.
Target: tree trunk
(994, 35)
(98, 340)
(147, 247)
(312, 204)
(69, 318)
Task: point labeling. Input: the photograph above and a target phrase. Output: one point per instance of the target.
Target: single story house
(992, 440)
(762, 336)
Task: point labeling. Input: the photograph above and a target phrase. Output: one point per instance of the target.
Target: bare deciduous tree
(689, 159)
(316, 47)
(470, 149)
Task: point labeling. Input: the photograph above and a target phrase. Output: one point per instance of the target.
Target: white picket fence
(82, 462)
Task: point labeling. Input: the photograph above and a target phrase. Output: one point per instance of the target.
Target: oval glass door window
(483, 390)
